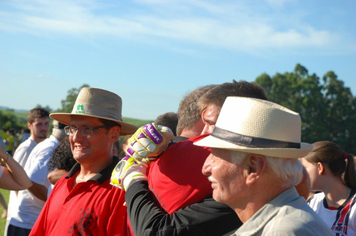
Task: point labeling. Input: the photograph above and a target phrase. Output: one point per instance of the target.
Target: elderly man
(83, 202)
(254, 165)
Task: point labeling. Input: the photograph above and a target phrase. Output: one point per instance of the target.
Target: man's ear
(256, 165)
(115, 133)
(320, 167)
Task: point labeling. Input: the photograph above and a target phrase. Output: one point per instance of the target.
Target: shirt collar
(100, 177)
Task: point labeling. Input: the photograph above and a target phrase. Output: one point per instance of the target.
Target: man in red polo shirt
(84, 202)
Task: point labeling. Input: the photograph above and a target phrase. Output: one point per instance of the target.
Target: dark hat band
(248, 141)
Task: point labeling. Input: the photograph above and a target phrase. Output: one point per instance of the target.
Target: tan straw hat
(257, 126)
(97, 103)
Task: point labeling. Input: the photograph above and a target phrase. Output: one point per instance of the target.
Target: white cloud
(220, 24)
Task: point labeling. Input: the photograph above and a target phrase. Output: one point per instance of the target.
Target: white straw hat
(257, 126)
(99, 103)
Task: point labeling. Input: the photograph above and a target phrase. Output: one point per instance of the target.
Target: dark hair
(188, 112)
(169, 119)
(62, 157)
(218, 94)
(36, 113)
(339, 162)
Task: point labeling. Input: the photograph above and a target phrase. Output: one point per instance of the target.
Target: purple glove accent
(153, 133)
(130, 151)
(125, 158)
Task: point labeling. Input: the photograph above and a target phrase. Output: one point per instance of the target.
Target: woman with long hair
(332, 176)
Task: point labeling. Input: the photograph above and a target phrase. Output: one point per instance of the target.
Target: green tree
(8, 120)
(68, 103)
(48, 108)
(327, 107)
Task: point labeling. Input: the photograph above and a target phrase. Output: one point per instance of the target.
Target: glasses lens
(67, 130)
(87, 131)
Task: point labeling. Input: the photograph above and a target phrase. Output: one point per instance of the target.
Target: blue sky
(152, 52)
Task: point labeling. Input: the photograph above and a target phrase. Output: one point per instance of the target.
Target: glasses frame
(71, 130)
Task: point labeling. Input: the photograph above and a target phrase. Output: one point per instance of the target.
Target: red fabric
(87, 209)
(176, 177)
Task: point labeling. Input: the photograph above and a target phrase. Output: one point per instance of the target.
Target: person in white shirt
(31, 201)
(38, 124)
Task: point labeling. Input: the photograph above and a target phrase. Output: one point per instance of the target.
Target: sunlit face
(209, 117)
(312, 170)
(39, 128)
(227, 179)
(92, 147)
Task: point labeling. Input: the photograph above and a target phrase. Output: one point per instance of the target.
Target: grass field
(6, 194)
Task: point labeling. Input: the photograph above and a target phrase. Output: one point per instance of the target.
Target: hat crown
(260, 119)
(98, 102)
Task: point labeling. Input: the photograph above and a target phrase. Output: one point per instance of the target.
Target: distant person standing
(38, 124)
(31, 201)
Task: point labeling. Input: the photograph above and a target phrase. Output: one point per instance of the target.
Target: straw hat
(99, 103)
(257, 126)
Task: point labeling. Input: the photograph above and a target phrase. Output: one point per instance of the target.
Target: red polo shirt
(90, 208)
(176, 178)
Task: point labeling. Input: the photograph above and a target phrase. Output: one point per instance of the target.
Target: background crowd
(228, 156)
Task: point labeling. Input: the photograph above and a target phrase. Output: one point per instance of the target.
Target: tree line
(326, 106)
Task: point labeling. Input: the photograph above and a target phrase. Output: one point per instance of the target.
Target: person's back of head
(188, 112)
(62, 157)
(36, 113)
(340, 163)
(169, 119)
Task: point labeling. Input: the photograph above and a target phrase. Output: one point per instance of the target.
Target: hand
(149, 141)
(128, 171)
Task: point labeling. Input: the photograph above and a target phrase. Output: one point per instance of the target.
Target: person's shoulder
(301, 224)
(299, 219)
(27, 143)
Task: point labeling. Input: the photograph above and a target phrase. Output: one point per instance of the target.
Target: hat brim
(66, 118)
(214, 142)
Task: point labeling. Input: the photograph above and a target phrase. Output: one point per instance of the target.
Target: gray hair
(288, 170)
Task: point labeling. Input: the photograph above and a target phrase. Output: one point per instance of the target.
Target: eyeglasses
(70, 130)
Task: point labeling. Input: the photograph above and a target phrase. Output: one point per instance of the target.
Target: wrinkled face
(209, 117)
(227, 178)
(312, 170)
(39, 128)
(89, 147)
